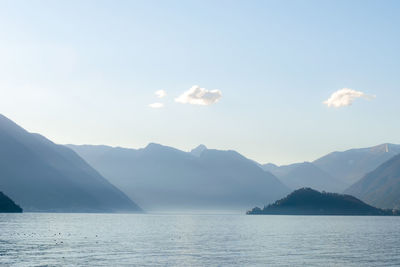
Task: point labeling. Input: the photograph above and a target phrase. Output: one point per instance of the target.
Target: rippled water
(197, 240)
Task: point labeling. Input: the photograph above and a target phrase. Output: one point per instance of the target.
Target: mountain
(380, 187)
(351, 165)
(43, 176)
(7, 205)
(336, 171)
(306, 174)
(307, 201)
(164, 178)
(198, 150)
(279, 171)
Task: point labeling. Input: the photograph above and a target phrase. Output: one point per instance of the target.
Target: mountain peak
(152, 145)
(381, 148)
(198, 150)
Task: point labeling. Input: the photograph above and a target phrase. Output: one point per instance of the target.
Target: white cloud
(160, 93)
(156, 105)
(199, 96)
(345, 97)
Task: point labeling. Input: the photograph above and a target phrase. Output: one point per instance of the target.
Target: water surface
(31, 239)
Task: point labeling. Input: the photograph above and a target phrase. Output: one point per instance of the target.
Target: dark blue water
(197, 240)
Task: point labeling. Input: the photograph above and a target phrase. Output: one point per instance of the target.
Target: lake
(53, 239)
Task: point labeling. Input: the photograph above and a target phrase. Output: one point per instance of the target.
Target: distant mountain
(308, 175)
(198, 150)
(380, 187)
(336, 171)
(42, 176)
(279, 171)
(163, 178)
(307, 201)
(305, 174)
(351, 165)
(7, 205)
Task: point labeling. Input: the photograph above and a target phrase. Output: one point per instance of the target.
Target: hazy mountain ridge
(381, 187)
(184, 180)
(198, 150)
(305, 174)
(351, 165)
(43, 176)
(336, 171)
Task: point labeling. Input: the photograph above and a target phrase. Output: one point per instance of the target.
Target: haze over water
(32, 239)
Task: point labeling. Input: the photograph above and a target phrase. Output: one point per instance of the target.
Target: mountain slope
(279, 171)
(308, 175)
(380, 187)
(198, 150)
(7, 205)
(43, 176)
(164, 178)
(307, 201)
(351, 165)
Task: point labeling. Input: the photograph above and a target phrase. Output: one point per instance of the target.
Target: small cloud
(156, 105)
(160, 93)
(345, 97)
(199, 96)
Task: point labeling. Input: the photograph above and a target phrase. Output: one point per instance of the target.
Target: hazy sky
(245, 75)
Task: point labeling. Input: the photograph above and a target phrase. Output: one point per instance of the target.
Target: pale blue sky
(84, 72)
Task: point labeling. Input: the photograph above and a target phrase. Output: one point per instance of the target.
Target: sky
(278, 81)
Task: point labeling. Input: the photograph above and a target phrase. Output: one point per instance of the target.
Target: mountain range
(380, 187)
(351, 165)
(164, 178)
(336, 171)
(142, 172)
(305, 174)
(42, 176)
